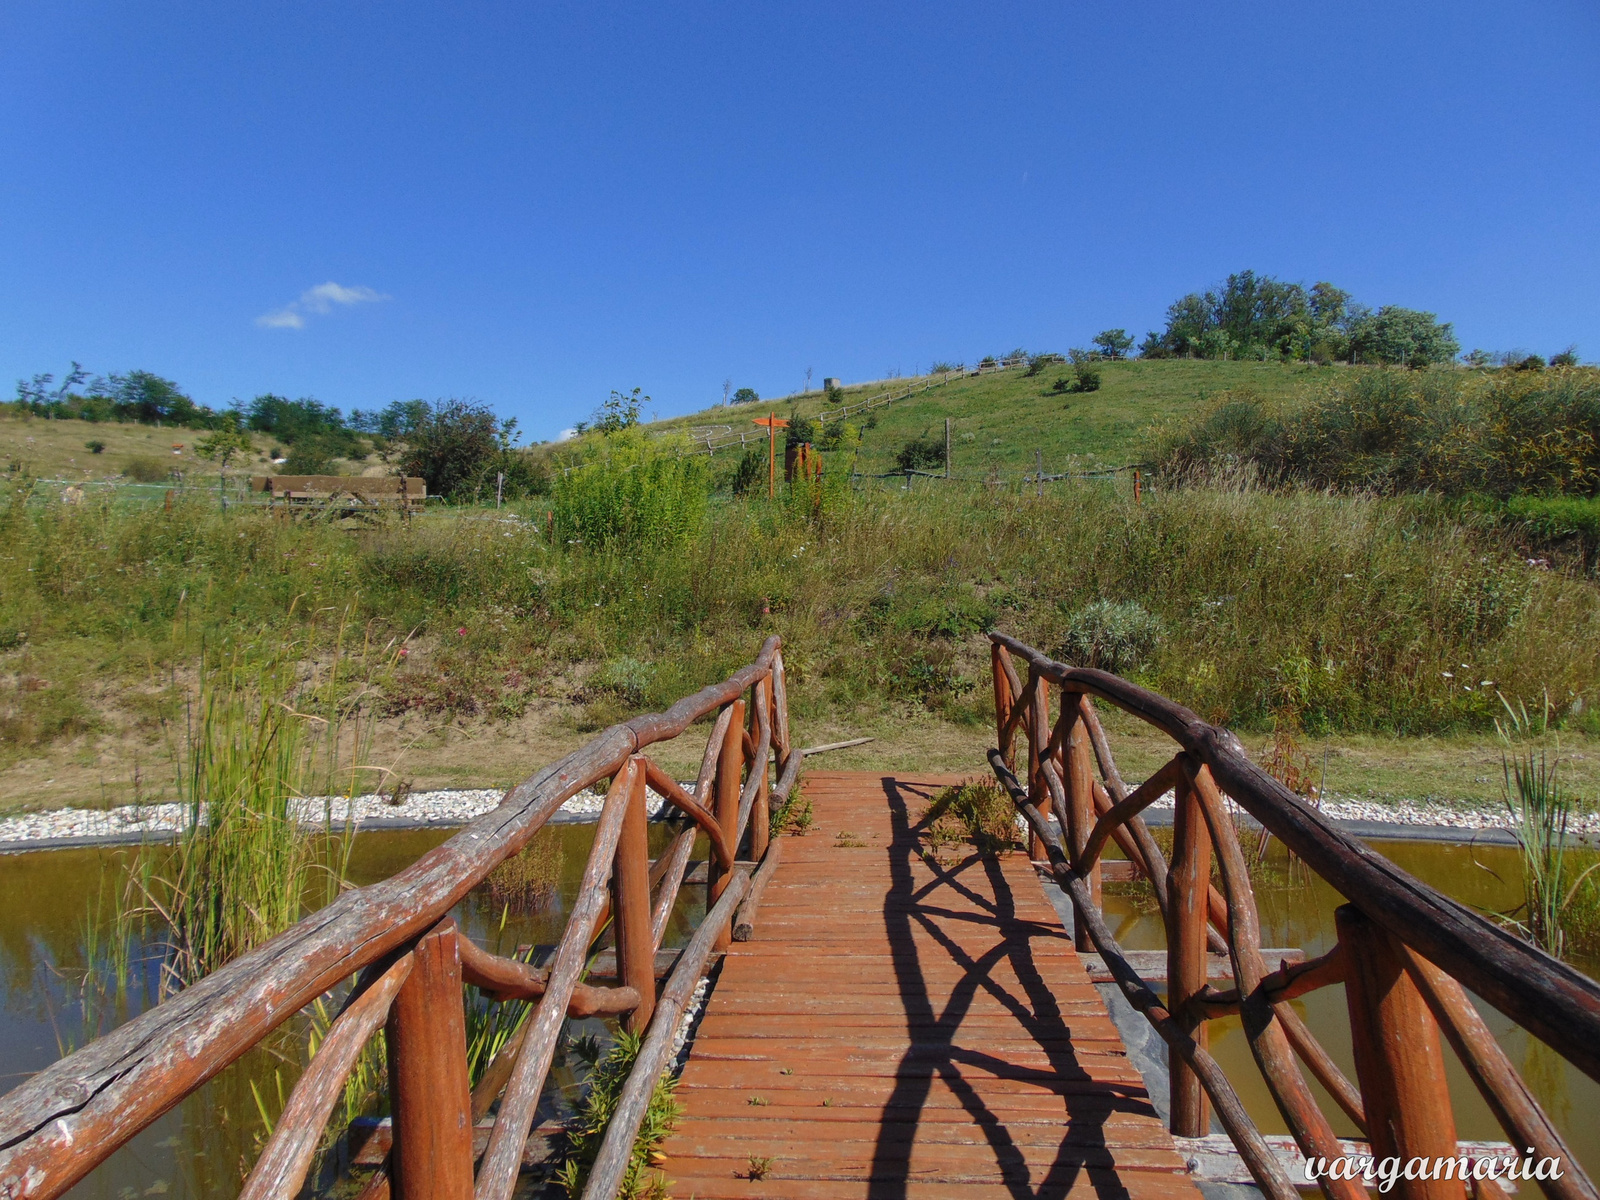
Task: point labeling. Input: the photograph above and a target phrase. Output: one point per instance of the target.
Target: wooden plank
(891, 1023)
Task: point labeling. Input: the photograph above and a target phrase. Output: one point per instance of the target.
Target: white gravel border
(458, 806)
(1421, 812)
(449, 807)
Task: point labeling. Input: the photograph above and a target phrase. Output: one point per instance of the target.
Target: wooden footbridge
(882, 1022)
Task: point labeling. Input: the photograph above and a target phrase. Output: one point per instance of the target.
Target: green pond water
(205, 1146)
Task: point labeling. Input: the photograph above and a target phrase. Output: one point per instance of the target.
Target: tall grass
(1541, 808)
(631, 493)
(254, 745)
(1360, 613)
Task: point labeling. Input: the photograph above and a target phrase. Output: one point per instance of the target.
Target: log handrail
(71, 1116)
(1395, 927)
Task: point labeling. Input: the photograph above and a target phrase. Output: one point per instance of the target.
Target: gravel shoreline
(458, 806)
(132, 822)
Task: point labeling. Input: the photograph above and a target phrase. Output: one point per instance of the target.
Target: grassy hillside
(1002, 420)
(48, 449)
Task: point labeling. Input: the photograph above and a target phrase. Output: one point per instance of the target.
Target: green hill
(1005, 419)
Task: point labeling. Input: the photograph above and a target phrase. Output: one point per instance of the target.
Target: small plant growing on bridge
(758, 1167)
(977, 813)
(587, 1130)
(793, 816)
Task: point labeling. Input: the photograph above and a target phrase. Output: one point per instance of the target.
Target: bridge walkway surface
(901, 1029)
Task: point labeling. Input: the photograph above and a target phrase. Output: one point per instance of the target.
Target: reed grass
(1555, 889)
(255, 744)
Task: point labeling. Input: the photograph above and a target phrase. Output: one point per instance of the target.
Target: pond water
(205, 1146)
(1299, 913)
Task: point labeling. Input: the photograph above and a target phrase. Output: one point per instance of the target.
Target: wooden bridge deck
(902, 1030)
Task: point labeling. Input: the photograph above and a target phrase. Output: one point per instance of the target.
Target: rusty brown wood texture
(426, 1039)
(896, 1027)
(65, 1120)
(1549, 998)
(1399, 1060)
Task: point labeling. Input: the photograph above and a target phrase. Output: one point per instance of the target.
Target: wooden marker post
(1189, 881)
(630, 901)
(1399, 1062)
(773, 422)
(430, 1097)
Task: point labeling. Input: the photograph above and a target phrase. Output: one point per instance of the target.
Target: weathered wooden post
(730, 765)
(1399, 1061)
(1003, 699)
(630, 901)
(760, 815)
(1037, 720)
(1079, 786)
(1189, 882)
(429, 1094)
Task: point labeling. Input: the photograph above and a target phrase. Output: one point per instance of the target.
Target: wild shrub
(749, 473)
(146, 468)
(925, 453)
(631, 493)
(1501, 433)
(1109, 635)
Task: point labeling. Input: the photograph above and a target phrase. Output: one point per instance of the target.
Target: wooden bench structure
(342, 495)
(881, 1025)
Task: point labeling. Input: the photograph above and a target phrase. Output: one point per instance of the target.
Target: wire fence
(712, 438)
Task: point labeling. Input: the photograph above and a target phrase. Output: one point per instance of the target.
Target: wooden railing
(411, 960)
(1405, 953)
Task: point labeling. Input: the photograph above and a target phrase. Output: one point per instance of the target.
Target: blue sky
(531, 204)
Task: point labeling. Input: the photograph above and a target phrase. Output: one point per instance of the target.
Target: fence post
(1079, 786)
(1037, 721)
(429, 1095)
(1399, 1061)
(1189, 882)
(729, 765)
(630, 902)
(947, 447)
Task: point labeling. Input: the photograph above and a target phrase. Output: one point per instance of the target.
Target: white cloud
(566, 435)
(320, 301)
(284, 318)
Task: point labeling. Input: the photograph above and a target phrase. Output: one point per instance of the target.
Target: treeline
(138, 397)
(1258, 317)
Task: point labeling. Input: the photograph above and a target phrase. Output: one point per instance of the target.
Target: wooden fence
(411, 961)
(1405, 953)
(722, 437)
